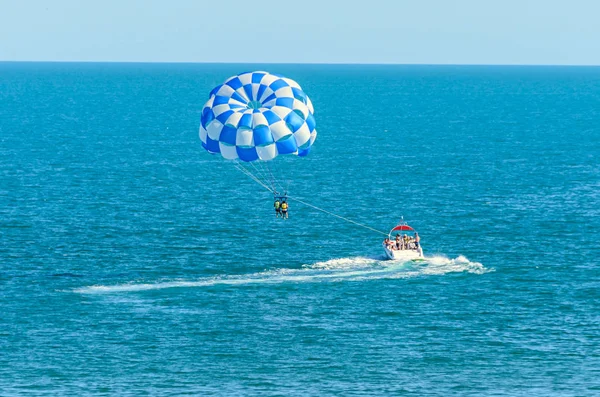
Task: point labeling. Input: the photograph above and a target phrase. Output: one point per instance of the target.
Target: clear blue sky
(309, 31)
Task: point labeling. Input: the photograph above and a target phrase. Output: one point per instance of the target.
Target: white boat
(401, 243)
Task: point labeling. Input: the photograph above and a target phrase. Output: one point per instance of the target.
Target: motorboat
(403, 243)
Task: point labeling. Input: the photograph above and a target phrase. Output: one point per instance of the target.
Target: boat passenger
(389, 244)
(417, 240)
(398, 244)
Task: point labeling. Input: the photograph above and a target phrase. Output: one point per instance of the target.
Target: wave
(334, 270)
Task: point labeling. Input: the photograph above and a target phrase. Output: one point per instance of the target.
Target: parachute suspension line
(273, 179)
(255, 179)
(261, 174)
(277, 171)
(263, 170)
(249, 173)
(240, 168)
(337, 216)
(287, 184)
(264, 166)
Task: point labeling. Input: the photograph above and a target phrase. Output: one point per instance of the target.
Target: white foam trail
(339, 269)
(346, 263)
(443, 265)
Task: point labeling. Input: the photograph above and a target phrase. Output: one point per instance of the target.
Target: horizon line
(304, 63)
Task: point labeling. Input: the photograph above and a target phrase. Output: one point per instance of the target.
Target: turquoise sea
(132, 262)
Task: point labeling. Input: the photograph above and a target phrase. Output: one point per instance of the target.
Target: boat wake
(334, 270)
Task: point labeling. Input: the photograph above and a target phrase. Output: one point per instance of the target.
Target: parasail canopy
(257, 116)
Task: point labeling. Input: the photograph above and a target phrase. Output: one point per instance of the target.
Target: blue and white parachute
(257, 116)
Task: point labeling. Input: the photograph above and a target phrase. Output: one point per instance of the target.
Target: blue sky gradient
(310, 31)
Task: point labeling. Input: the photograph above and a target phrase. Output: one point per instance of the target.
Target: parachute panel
(228, 152)
(268, 152)
(244, 137)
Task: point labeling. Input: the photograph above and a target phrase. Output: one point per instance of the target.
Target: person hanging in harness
(284, 209)
(277, 206)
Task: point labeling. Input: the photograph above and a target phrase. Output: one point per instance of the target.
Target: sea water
(132, 262)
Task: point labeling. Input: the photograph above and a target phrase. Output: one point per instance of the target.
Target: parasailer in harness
(284, 209)
(277, 206)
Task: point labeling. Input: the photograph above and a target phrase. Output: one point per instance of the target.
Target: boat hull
(405, 255)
